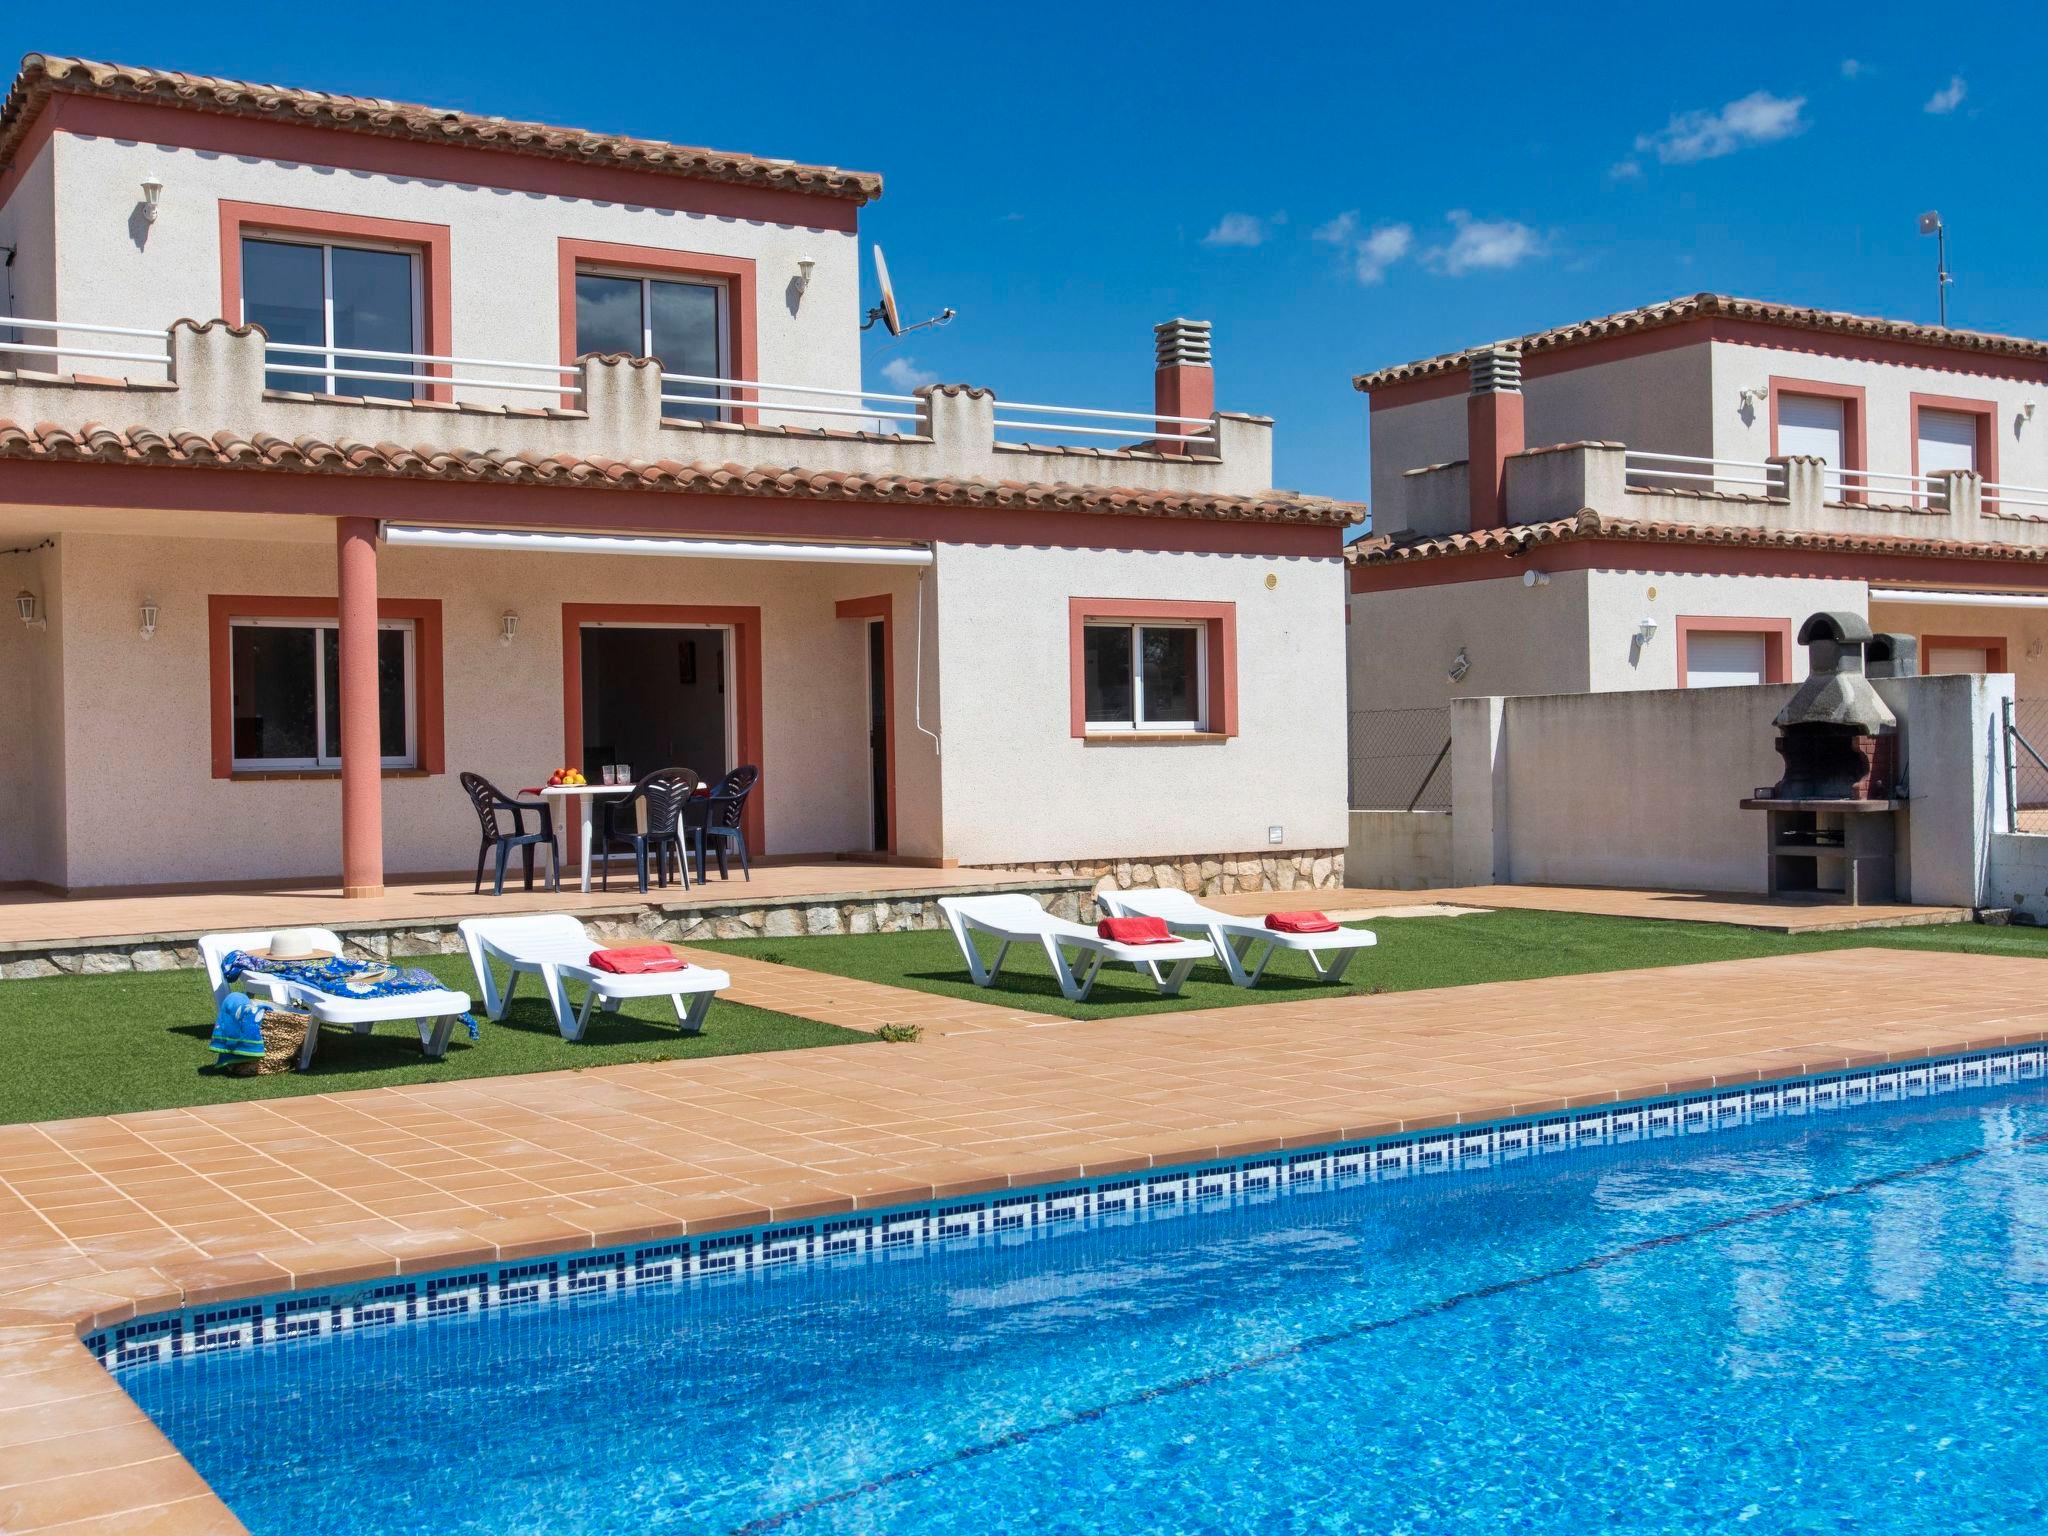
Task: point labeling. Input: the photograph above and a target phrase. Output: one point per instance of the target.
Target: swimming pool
(1833, 1323)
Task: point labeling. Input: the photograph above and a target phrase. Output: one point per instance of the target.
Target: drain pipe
(917, 674)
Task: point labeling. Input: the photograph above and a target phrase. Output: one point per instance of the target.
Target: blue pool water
(1838, 1325)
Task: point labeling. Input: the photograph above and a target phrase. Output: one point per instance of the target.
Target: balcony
(1619, 483)
(215, 377)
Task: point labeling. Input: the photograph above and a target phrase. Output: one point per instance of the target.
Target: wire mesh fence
(2028, 756)
(1401, 759)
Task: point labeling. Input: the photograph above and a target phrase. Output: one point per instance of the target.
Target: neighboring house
(1658, 498)
(332, 464)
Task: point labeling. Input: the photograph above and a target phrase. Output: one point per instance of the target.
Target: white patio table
(587, 794)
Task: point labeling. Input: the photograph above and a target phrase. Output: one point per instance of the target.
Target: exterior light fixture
(152, 197)
(30, 610)
(2027, 409)
(1646, 630)
(1535, 578)
(1460, 665)
(803, 276)
(508, 627)
(148, 617)
(1753, 398)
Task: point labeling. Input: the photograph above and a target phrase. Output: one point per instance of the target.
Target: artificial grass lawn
(1413, 952)
(103, 1045)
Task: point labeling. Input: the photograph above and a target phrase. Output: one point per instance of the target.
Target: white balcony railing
(2015, 495)
(330, 369)
(8, 343)
(1644, 471)
(282, 357)
(1878, 484)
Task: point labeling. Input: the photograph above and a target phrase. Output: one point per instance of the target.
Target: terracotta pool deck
(1742, 911)
(101, 1219)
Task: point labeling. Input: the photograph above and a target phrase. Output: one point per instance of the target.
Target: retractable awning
(1960, 599)
(676, 548)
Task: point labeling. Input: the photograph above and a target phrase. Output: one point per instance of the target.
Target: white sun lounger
(556, 948)
(1015, 918)
(432, 1013)
(1237, 939)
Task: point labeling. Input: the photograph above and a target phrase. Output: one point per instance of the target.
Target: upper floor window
(682, 325)
(349, 302)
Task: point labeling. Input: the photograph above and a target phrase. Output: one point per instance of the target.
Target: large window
(680, 324)
(285, 679)
(1145, 677)
(347, 301)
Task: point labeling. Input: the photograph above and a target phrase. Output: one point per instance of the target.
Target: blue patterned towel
(338, 978)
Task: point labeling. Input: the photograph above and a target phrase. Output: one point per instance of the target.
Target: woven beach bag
(284, 1036)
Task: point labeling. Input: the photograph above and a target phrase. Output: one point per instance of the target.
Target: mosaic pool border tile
(1031, 1214)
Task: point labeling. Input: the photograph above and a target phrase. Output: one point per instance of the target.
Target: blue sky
(1336, 187)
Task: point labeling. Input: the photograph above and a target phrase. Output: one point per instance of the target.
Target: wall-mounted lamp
(1753, 398)
(1460, 665)
(1535, 578)
(30, 610)
(148, 617)
(152, 197)
(803, 276)
(508, 627)
(2027, 409)
(1646, 630)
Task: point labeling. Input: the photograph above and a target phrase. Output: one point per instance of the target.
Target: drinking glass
(609, 773)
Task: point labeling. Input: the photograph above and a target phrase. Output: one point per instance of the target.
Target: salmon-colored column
(362, 769)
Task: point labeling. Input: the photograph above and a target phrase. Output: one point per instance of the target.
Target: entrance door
(878, 731)
(655, 698)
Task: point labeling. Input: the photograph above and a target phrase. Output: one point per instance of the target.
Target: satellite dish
(886, 311)
(890, 316)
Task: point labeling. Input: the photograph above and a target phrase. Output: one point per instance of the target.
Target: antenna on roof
(1930, 224)
(886, 311)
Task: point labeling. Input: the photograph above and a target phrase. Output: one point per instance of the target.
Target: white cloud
(1625, 170)
(1239, 229)
(906, 375)
(1948, 98)
(1758, 118)
(1370, 255)
(1379, 250)
(1483, 245)
(1339, 230)
(1852, 69)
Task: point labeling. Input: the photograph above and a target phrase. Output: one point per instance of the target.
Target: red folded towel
(1299, 922)
(637, 960)
(1136, 930)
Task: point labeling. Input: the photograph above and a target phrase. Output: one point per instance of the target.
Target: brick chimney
(1183, 382)
(1493, 431)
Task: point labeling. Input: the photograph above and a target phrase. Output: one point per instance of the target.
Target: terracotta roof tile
(43, 75)
(1700, 305)
(265, 451)
(1383, 550)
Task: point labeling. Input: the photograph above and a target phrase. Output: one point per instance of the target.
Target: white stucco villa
(1658, 498)
(347, 445)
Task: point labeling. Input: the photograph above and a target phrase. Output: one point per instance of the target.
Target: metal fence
(1401, 759)
(2026, 765)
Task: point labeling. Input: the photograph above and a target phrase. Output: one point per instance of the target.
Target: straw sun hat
(297, 944)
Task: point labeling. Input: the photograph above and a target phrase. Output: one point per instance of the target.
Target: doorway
(657, 697)
(878, 732)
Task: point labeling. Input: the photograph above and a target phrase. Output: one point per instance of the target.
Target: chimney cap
(1497, 369)
(1182, 343)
